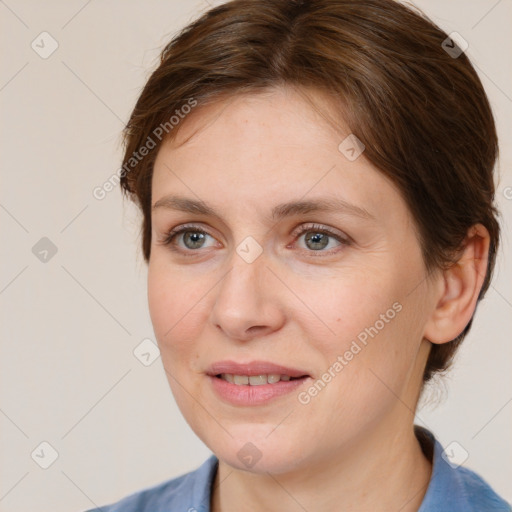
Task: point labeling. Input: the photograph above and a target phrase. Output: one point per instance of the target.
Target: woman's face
(336, 298)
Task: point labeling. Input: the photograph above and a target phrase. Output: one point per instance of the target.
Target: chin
(253, 449)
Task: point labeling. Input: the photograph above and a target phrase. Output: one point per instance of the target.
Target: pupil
(195, 237)
(318, 238)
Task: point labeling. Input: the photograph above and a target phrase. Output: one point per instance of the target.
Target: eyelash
(316, 228)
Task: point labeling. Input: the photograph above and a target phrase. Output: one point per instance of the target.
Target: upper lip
(253, 368)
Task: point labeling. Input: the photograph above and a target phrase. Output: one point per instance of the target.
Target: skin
(352, 447)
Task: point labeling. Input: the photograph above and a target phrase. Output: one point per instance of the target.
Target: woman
(315, 179)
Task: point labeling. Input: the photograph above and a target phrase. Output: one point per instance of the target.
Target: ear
(459, 288)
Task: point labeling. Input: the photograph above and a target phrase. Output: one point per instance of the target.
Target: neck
(386, 471)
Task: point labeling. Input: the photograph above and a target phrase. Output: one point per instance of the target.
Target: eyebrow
(328, 204)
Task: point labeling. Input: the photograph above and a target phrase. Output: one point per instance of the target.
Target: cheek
(161, 300)
(371, 323)
(350, 306)
(378, 360)
(175, 307)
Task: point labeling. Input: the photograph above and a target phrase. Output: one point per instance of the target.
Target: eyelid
(341, 237)
(181, 228)
(313, 226)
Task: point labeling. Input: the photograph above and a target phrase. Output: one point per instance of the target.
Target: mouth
(254, 383)
(257, 380)
(254, 373)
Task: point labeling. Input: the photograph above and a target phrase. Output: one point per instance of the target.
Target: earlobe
(459, 288)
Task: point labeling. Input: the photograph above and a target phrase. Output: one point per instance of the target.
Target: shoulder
(478, 493)
(454, 488)
(188, 492)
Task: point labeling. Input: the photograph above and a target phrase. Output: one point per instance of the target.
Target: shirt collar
(445, 490)
(201, 490)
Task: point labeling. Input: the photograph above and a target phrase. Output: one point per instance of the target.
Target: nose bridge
(243, 299)
(244, 282)
(247, 262)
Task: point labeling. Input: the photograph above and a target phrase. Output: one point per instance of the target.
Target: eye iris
(315, 240)
(319, 239)
(195, 237)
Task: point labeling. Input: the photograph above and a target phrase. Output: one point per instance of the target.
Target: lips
(261, 369)
(256, 383)
(254, 380)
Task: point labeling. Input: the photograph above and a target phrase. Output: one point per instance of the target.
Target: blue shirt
(451, 488)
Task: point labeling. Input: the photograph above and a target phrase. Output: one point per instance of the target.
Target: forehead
(263, 113)
(265, 149)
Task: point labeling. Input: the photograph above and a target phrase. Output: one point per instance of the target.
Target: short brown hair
(420, 110)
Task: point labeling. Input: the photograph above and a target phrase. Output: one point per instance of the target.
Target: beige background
(69, 325)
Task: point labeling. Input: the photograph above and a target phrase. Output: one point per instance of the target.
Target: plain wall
(70, 324)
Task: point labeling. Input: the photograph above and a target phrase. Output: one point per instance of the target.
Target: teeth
(254, 380)
(257, 380)
(228, 377)
(241, 379)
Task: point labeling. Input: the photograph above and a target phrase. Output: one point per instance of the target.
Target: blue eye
(193, 238)
(318, 238)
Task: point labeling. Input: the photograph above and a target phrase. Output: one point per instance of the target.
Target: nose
(247, 305)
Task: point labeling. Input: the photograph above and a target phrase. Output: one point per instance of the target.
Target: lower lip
(253, 395)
